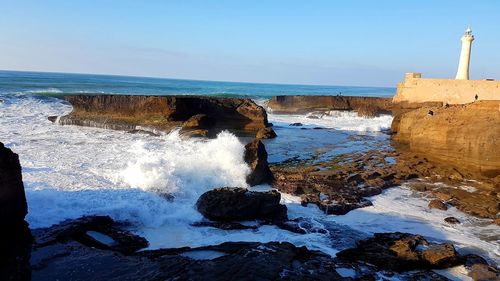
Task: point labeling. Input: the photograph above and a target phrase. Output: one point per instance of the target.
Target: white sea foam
(339, 120)
(401, 209)
(71, 171)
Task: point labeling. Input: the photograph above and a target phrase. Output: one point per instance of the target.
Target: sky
(356, 42)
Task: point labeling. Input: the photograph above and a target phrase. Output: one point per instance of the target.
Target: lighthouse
(463, 65)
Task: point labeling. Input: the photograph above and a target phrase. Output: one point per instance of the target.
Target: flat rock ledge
(196, 115)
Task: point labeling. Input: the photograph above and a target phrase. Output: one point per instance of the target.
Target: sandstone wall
(463, 136)
(417, 90)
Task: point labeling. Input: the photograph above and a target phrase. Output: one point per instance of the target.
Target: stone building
(461, 90)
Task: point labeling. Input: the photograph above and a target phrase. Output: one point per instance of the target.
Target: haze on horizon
(360, 42)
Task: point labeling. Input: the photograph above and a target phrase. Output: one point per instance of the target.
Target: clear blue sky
(356, 42)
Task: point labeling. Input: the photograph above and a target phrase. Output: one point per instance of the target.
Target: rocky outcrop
(13, 207)
(463, 136)
(256, 157)
(402, 252)
(15, 237)
(163, 113)
(266, 133)
(237, 204)
(364, 106)
(60, 252)
(340, 184)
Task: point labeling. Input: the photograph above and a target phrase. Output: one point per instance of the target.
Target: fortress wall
(416, 89)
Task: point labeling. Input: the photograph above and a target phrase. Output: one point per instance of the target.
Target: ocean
(71, 171)
(64, 83)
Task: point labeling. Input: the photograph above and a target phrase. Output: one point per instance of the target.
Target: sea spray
(338, 120)
(186, 167)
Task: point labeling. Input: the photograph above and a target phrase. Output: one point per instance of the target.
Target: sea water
(154, 182)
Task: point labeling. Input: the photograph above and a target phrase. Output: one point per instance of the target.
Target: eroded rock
(164, 113)
(256, 157)
(266, 133)
(15, 236)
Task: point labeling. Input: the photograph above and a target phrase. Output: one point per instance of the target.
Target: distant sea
(44, 83)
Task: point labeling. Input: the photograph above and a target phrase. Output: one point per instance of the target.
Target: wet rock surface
(60, 253)
(402, 252)
(339, 185)
(266, 133)
(256, 157)
(237, 204)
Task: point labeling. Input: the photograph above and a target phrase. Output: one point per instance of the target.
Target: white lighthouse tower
(463, 65)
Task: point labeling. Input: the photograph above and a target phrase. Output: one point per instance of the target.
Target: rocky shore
(99, 248)
(195, 115)
(449, 145)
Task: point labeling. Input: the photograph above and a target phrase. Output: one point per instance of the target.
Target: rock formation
(401, 252)
(15, 237)
(236, 204)
(256, 157)
(463, 136)
(163, 113)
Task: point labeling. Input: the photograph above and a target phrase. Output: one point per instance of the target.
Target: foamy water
(72, 171)
(339, 120)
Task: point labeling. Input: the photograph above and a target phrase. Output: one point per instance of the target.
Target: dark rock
(438, 204)
(401, 252)
(256, 158)
(479, 269)
(452, 220)
(13, 206)
(266, 133)
(153, 134)
(440, 255)
(52, 119)
(81, 230)
(72, 260)
(233, 204)
(342, 208)
(199, 121)
(296, 124)
(224, 225)
(15, 236)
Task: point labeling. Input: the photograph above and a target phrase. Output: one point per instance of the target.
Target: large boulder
(401, 252)
(164, 113)
(256, 158)
(236, 204)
